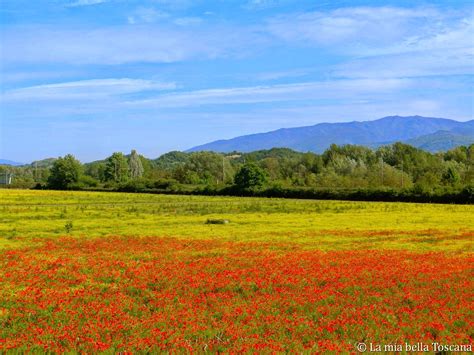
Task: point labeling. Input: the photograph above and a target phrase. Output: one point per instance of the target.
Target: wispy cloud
(261, 4)
(323, 90)
(157, 37)
(176, 4)
(441, 62)
(448, 50)
(86, 3)
(385, 42)
(85, 89)
(126, 44)
(188, 21)
(113, 94)
(375, 30)
(275, 75)
(147, 15)
(154, 95)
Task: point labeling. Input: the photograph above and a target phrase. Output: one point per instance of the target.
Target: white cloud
(384, 50)
(283, 74)
(179, 4)
(23, 75)
(261, 4)
(85, 89)
(447, 51)
(350, 32)
(361, 29)
(459, 61)
(265, 107)
(188, 21)
(112, 94)
(338, 89)
(386, 42)
(125, 44)
(86, 2)
(147, 15)
(447, 36)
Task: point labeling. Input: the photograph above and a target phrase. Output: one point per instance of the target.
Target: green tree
(65, 172)
(95, 170)
(116, 168)
(459, 154)
(205, 167)
(136, 166)
(451, 176)
(250, 176)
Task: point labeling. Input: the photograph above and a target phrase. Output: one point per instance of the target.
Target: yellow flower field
(28, 217)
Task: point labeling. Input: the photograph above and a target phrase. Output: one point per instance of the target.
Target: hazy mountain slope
(9, 162)
(441, 141)
(319, 137)
(44, 163)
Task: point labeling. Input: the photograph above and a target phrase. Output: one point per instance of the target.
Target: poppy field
(109, 272)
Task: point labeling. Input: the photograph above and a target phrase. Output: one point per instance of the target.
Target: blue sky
(90, 77)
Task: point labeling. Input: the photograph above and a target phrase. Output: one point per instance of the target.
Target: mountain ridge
(10, 162)
(318, 137)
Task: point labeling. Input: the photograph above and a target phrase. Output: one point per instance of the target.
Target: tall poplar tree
(136, 166)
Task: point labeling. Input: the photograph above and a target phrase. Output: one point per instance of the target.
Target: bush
(442, 195)
(88, 181)
(133, 186)
(165, 184)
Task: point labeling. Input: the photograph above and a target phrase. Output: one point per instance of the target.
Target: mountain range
(428, 133)
(10, 162)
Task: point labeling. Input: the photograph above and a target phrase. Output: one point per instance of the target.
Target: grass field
(85, 272)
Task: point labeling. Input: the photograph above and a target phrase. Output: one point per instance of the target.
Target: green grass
(28, 217)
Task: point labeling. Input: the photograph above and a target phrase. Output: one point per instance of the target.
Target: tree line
(399, 168)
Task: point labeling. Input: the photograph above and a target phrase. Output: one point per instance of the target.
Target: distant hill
(10, 162)
(44, 163)
(386, 130)
(170, 160)
(441, 141)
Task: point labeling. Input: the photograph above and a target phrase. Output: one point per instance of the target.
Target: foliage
(205, 168)
(451, 176)
(170, 160)
(116, 168)
(397, 167)
(250, 176)
(136, 166)
(96, 170)
(65, 172)
(44, 163)
(68, 227)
